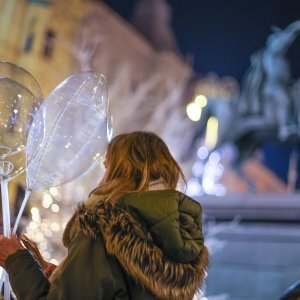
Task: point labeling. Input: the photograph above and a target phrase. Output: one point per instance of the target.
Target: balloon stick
(6, 230)
(20, 213)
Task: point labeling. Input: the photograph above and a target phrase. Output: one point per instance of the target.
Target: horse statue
(267, 110)
(268, 86)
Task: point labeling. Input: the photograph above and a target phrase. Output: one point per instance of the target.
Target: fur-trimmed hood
(155, 235)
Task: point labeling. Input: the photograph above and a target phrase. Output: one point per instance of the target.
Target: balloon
(69, 134)
(13, 165)
(15, 116)
(109, 124)
(20, 97)
(21, 76)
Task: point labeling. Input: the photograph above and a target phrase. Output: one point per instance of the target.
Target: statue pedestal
(253, 207)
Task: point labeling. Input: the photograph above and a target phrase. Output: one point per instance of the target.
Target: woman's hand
(30, 245)
(8, 246)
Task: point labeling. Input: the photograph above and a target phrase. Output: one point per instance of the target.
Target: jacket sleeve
(87, 272)
(26, 276)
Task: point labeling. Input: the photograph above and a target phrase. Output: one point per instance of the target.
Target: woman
(135, 237)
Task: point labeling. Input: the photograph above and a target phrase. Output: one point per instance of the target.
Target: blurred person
(135, 237)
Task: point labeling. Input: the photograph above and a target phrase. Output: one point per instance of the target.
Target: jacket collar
(157, 185)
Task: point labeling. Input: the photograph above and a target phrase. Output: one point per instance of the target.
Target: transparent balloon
(20, 97)
(109, 124)
(70, 132)
(13, 165)
(17, 107)
(21, 76)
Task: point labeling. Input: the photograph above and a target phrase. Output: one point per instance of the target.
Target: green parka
(147, 246)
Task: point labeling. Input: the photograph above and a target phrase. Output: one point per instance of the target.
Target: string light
(53, 191)
(47, 200)
(43, 228)
(55, 208)
(211, 136)
(201, 101)
(207, 172)
(194, 111)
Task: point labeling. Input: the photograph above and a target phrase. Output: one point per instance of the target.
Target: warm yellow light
(55, 208)
(35, 211)
(47, 200)
(54, 261)
(193, 111)
(53, 191)
(211, 136)
(201, 100)
(55, 226)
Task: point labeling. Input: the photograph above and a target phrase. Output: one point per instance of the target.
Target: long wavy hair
(133, 160)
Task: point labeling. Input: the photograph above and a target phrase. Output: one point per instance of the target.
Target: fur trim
(140, 257)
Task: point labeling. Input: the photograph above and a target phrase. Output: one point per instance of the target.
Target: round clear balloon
(20, 98)
(21, 76)
(13, 165)
(69, 134)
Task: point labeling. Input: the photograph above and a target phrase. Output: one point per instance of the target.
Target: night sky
(221, 36)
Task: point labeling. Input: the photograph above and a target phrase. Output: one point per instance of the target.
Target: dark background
(221, 36)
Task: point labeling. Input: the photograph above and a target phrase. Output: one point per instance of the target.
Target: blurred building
(52, 39)
(153, 19)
